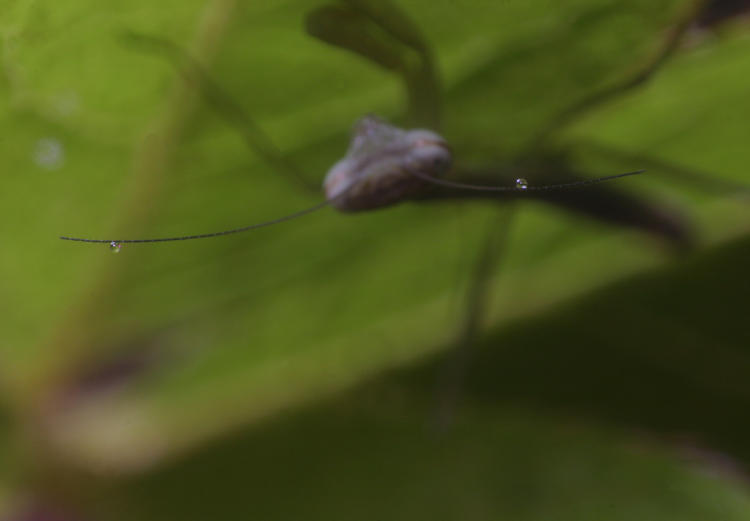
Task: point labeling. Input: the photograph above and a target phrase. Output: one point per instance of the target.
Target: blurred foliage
(246, 374)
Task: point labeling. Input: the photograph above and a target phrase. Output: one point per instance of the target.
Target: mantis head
(378, 169)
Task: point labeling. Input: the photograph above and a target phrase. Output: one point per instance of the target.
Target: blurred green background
(456, 360)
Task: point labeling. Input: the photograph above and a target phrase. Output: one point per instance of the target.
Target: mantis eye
(430, 156)
(441, 161)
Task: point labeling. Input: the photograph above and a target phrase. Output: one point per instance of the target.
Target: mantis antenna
(384, 165)
(522, 185)
(115, 243)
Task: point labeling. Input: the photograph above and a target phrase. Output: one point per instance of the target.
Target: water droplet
(49, 153)
(115, 247)
(522, 183)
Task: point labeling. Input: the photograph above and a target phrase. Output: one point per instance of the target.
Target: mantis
(386, 165)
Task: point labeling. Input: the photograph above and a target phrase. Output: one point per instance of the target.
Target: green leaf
(237, 329)
(373, 455)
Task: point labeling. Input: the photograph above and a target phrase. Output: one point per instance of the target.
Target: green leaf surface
(373, 455)
(239, 328)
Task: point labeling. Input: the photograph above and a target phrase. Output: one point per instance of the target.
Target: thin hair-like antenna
(278, 220)
(522, 184)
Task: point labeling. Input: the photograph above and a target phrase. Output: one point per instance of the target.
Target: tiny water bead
(49, 153)
(115, 247)
(522, 183)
